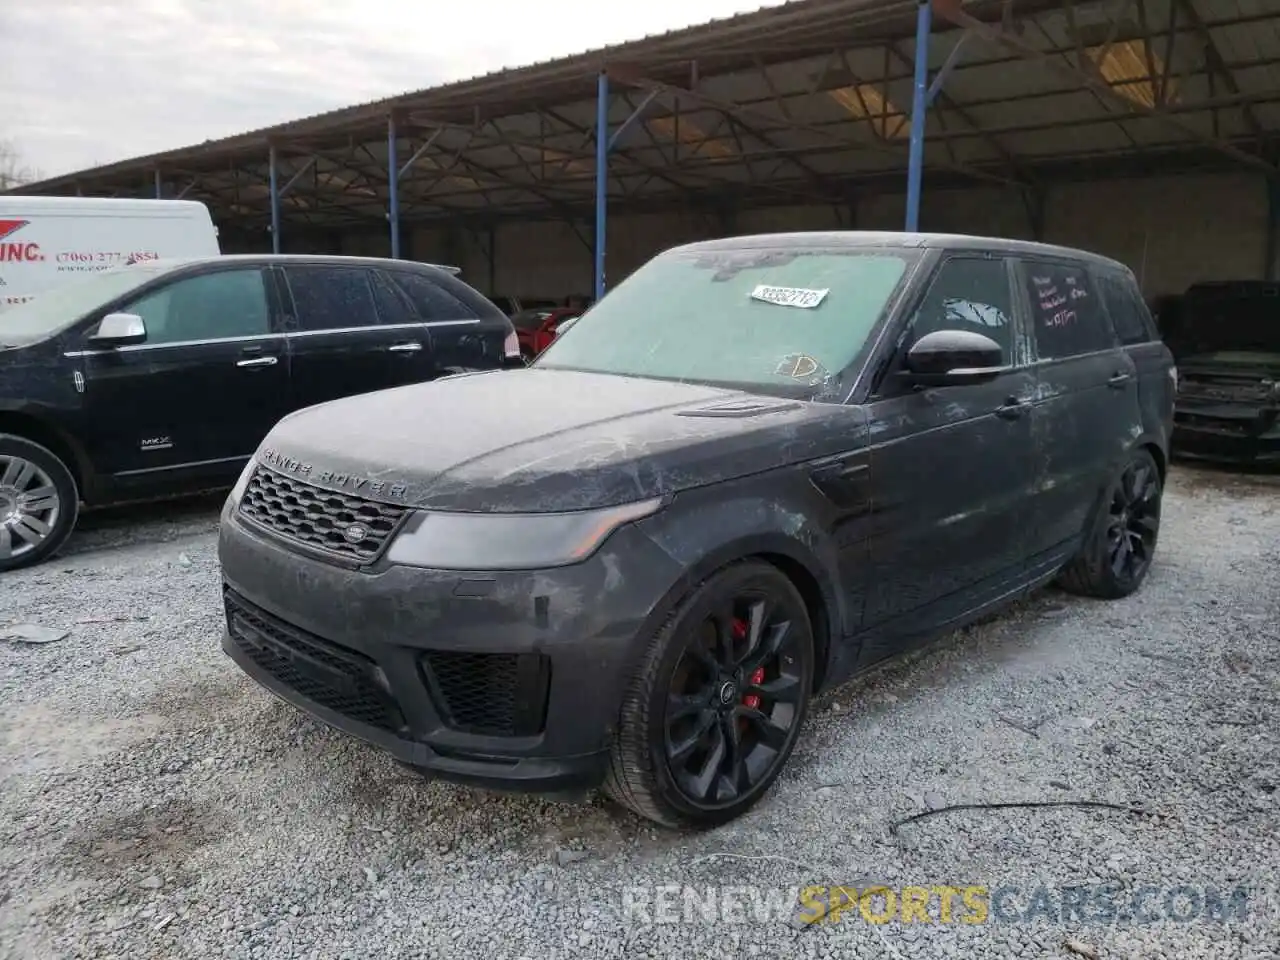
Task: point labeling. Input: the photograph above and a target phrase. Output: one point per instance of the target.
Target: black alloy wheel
(714, 713)
(1133, 521)
(1116, 558)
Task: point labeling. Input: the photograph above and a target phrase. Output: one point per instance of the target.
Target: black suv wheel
(38, 503)
(1118, 552)
(715, 707)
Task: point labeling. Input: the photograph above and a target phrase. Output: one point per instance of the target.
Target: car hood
(534, 440)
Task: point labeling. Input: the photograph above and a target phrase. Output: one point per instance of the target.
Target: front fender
(704, 535)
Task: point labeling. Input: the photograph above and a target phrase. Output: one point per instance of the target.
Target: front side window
(228, 304)
(968, 293)
(1067, 318)
(332, 298)
(783, 320)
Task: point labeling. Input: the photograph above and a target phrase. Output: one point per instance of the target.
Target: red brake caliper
(751, 701)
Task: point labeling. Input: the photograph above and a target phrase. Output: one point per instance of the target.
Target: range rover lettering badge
(332, 478)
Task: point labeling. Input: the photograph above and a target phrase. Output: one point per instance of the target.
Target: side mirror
(566, 324)
(119, 330)
(948, 358)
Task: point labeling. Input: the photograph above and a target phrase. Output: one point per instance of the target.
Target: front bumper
(508, 680)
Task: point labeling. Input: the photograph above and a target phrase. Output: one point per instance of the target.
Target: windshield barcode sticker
(789, 296)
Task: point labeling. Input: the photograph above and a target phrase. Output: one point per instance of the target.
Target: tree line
(14, 172)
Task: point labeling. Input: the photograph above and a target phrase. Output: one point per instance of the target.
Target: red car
(537, 328)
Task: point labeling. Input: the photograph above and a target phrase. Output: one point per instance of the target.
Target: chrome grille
(311, 515)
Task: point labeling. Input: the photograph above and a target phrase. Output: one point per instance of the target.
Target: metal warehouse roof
(804, 102)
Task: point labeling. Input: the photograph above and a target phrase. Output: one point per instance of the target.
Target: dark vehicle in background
(756, 467)
(536, 329)
(162, 378)
(1225, 338)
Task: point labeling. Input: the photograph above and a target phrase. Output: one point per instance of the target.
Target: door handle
(1119, 379)
(411, 347)
(258, 362)
(1012, 408)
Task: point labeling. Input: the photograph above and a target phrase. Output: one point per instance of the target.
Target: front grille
(326, 674)
(496, 694)
(311, 515)
(1226, 392)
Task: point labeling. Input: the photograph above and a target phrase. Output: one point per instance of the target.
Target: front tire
(1118, 551)
(717, 702)
(39, 503)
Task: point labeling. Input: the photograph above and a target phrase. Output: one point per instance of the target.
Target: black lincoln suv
(162, 378)
(756, 467)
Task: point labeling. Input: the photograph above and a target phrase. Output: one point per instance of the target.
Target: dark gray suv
(755, 468)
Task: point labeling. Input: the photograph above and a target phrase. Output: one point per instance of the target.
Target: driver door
(205, 387)
(952, 468)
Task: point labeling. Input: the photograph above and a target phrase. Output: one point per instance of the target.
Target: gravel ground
(156, 803)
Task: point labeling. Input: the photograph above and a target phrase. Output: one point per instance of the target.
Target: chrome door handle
(1119, 379)
(411, 347)
(258, 362)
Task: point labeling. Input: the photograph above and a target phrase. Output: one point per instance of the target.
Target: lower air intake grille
(497, 694)
(325, 673)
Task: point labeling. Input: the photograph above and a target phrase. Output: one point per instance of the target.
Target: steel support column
(393, 188)
(919, 104)
(275, 199)
(491, 255)
(602, 176)
(604, 143)
(1271, 268)
(159, 182)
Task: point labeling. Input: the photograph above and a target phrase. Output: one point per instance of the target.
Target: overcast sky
(86, 83)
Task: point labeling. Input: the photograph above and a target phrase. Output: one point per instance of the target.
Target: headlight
(238, 490)
(509, 541)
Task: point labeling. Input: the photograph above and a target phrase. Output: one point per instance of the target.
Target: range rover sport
(756, 467)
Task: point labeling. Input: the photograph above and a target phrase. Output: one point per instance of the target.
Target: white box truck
(48, 241)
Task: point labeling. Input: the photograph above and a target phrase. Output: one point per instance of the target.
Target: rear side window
(1128, 312)
(393, 306)
(432, 301)
(1067, 316)
(331, 298)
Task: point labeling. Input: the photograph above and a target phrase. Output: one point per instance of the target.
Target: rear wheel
(715, 708)
(38, 503)
(1118, 552)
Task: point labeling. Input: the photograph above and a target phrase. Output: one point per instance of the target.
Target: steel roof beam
(951, 10)
(756, 117)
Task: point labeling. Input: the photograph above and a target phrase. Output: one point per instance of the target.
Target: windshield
(56, 309)
(1225, 323)
(781, 321)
